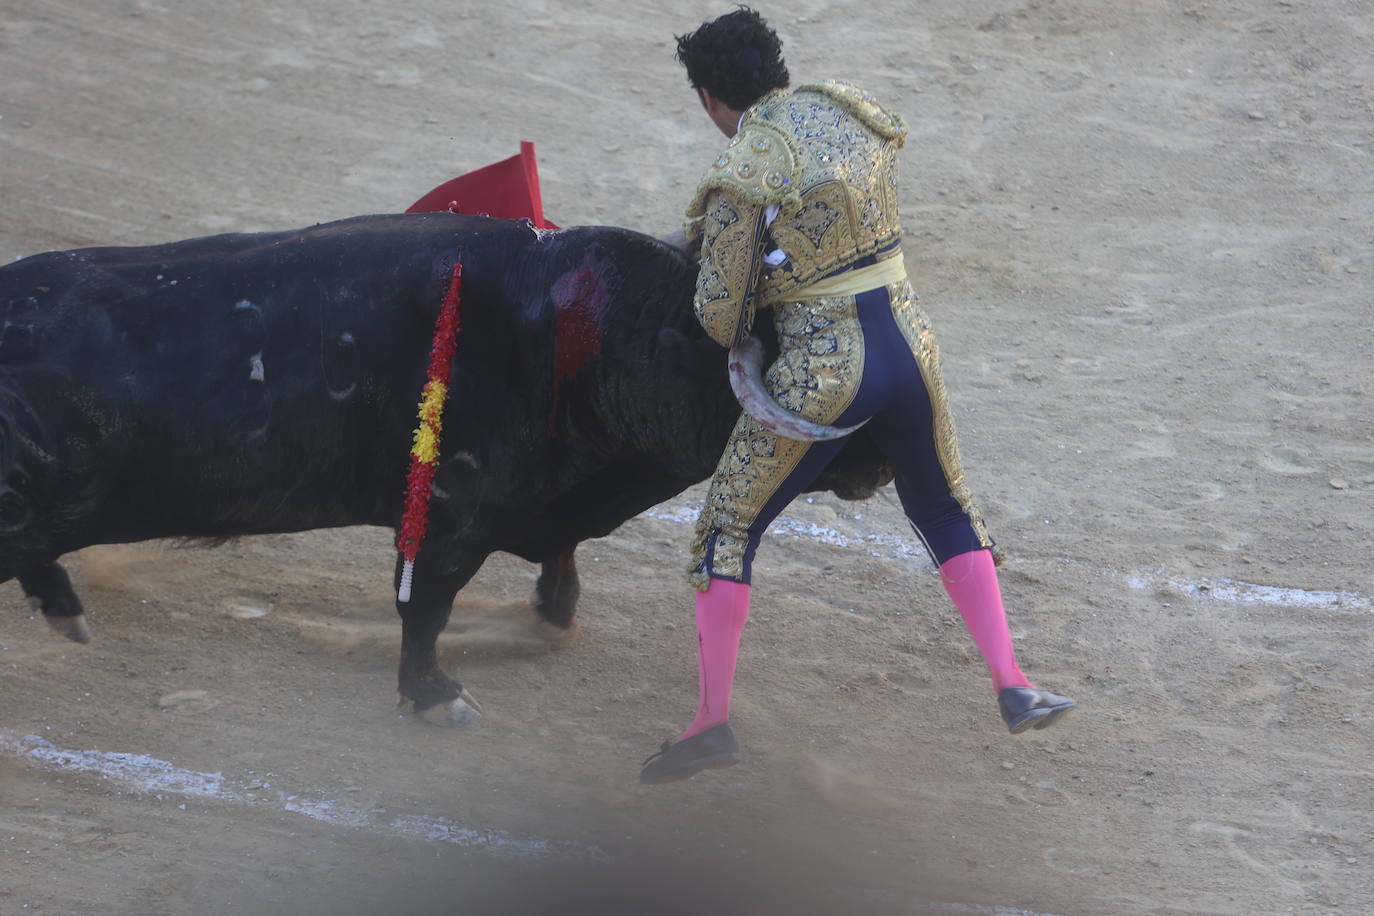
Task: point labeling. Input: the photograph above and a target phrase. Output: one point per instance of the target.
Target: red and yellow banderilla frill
(424, 453)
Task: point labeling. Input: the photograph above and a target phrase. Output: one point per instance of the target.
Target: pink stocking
(971, 581)
(721, 612)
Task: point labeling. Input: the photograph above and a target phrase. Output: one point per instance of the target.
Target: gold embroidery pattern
(822, 357)
(846, 167)
(863, 106)
(826, 148)
(730, 261)
(920, 337)
(754, 463)
(710, 285)
(721, 216)
(816, 376)
(813, 219)
(872, 214)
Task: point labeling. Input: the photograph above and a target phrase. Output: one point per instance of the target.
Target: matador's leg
(818, 375)
(916, 432)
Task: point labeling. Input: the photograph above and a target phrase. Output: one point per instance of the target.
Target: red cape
(508, 189)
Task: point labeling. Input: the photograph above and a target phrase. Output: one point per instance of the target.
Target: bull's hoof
(462, 710)
(74, 628)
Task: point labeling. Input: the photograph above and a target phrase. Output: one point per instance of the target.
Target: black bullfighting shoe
(709, 750)
(1027, 707)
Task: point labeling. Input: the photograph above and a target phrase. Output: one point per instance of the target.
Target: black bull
(248, 384)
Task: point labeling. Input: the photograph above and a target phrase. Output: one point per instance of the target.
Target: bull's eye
(341, 366)
(14, 510)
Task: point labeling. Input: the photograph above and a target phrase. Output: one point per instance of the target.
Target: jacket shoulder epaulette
(759, 167)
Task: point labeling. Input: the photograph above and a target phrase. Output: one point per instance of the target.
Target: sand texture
(1143, 231)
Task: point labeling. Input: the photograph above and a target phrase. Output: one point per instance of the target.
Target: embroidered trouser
(843, 359)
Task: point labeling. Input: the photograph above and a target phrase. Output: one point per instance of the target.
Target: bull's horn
(746, 378)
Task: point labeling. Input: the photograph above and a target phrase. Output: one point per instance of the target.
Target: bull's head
(858, 471)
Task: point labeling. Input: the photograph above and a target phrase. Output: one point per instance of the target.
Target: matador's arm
(731, 255)
(728, 216)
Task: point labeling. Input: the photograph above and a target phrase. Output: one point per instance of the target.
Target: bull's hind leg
(556, 592)
(438, 698)
(50, 591)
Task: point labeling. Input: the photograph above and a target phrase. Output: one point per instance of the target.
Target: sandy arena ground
(1143, 228)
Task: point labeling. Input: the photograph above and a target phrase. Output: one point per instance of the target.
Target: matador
(797, 221)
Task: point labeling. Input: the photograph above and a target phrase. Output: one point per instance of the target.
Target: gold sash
(852, 282)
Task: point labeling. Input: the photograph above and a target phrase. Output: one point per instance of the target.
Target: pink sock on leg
(721, 612)
(971, 581)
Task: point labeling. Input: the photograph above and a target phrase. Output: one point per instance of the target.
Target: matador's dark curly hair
(737, 58)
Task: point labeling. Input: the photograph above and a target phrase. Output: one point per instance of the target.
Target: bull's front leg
(556, 592)
(438, 698)
(50, 591)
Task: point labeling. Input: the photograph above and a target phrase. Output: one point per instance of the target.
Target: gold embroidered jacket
(826, 155)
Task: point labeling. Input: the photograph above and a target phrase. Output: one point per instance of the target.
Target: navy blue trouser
(905, 419)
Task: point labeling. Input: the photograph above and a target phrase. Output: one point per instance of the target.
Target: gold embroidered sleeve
(731, 255)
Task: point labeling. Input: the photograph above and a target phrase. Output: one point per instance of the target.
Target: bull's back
(250, 383)
(235, 383)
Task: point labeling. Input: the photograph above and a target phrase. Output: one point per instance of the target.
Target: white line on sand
(1250, 593)
(875, 545)
(899, 547)
(144, 775)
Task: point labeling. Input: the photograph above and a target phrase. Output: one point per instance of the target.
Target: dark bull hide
(247, 384)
